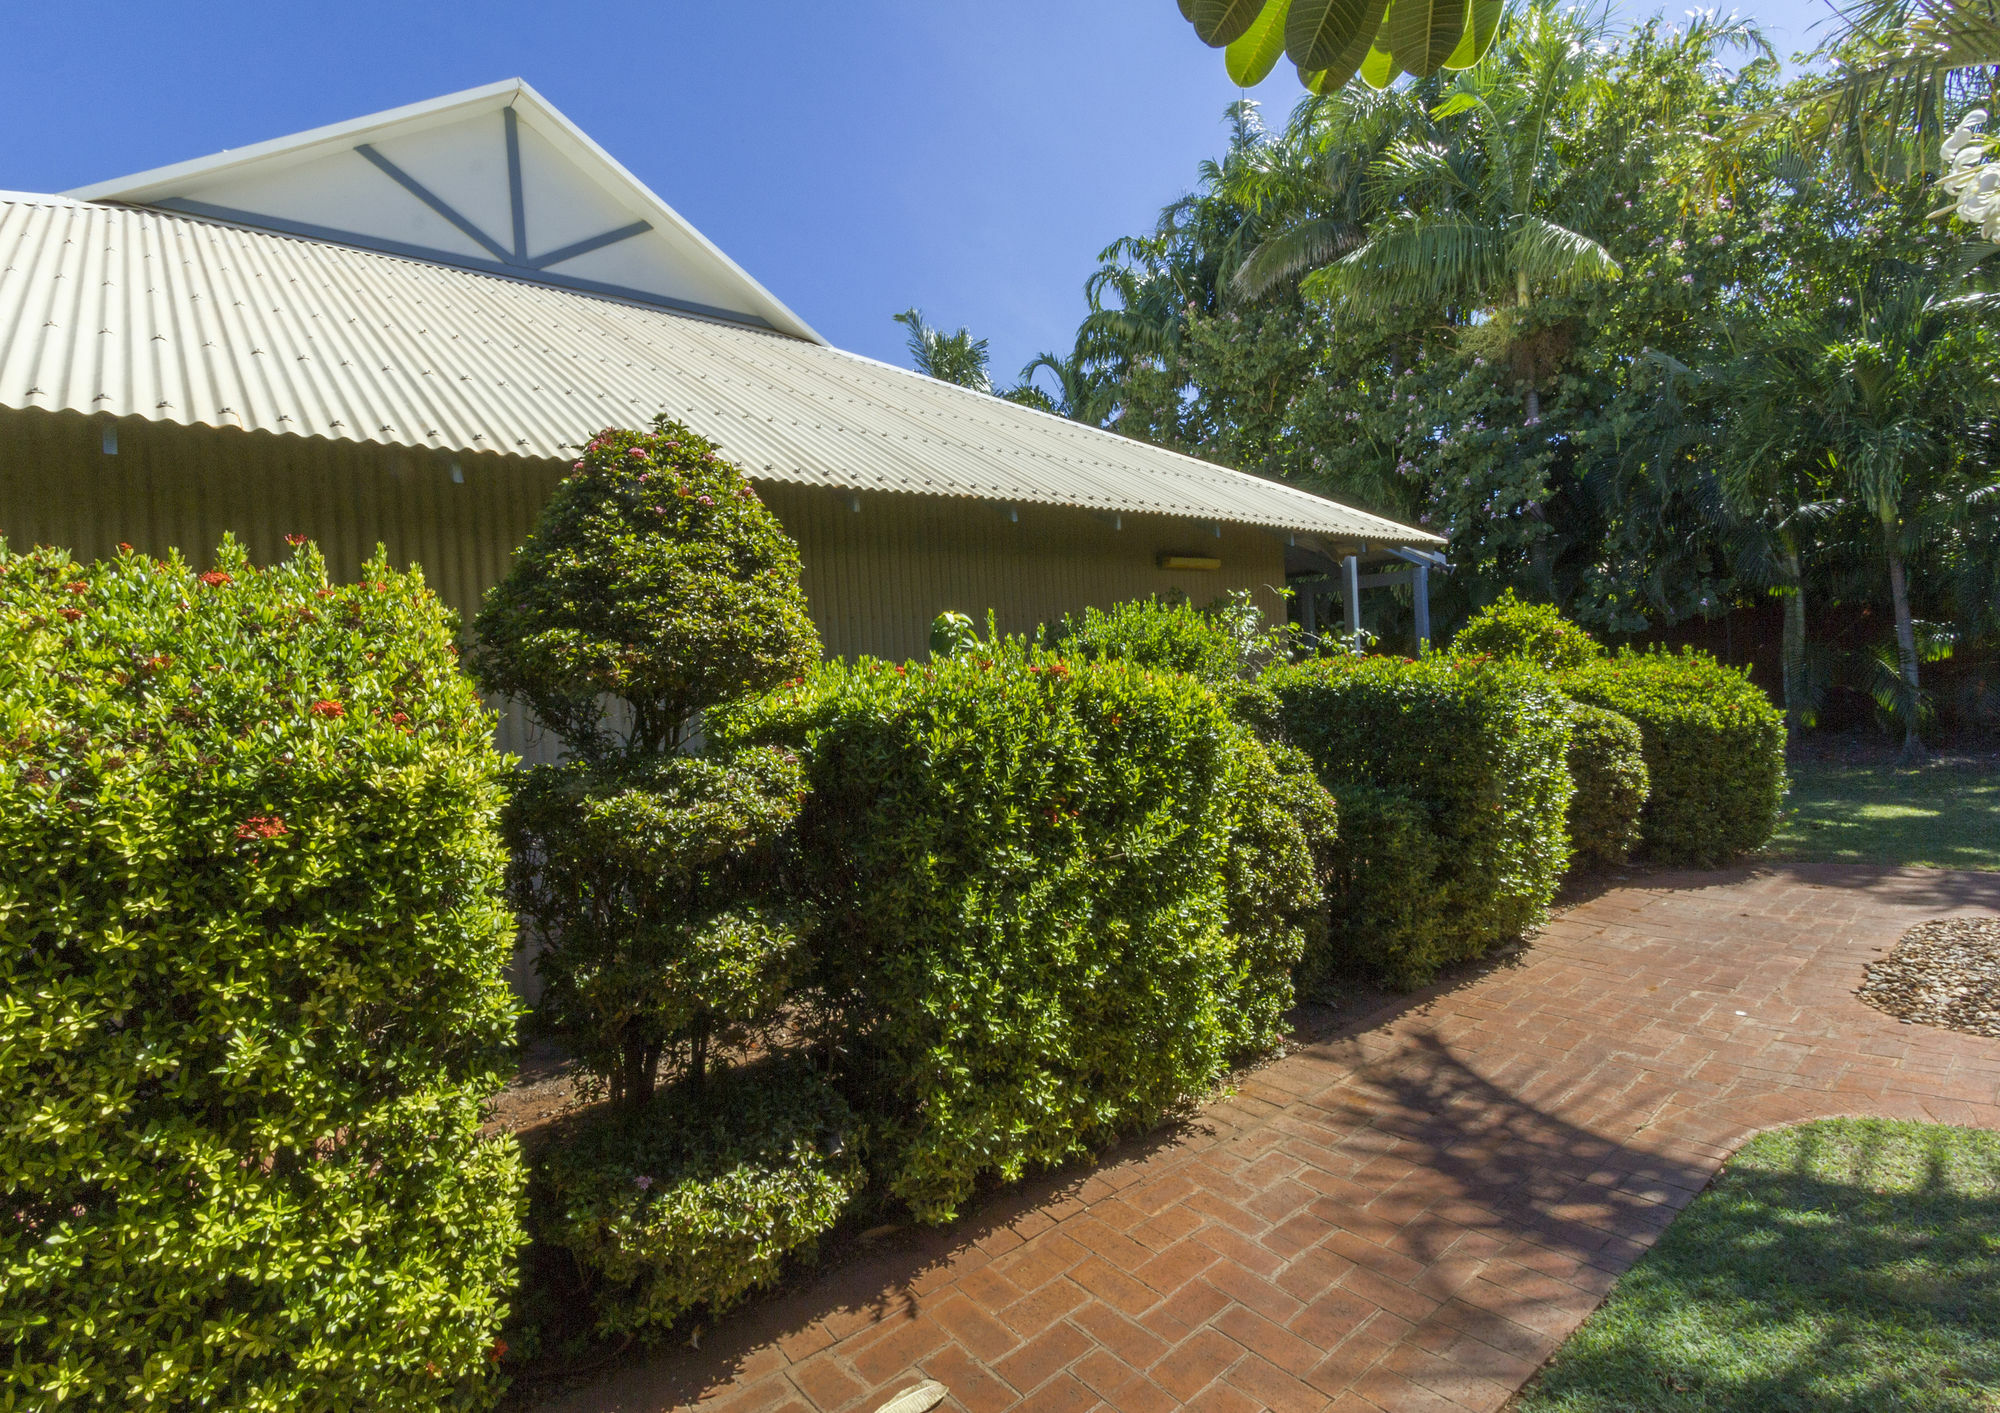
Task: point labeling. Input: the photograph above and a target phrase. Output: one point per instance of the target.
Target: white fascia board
(143, 187)
(140, 188)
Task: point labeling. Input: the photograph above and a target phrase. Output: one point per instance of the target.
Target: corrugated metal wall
(875, 577)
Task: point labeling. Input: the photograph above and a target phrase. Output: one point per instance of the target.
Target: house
(399, 329)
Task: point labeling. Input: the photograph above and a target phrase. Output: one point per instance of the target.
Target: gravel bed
(1941, 973)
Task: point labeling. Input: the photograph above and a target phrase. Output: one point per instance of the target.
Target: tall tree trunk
(1533, 399)
(1906, 639)
(636, 1080)
(1793, 649)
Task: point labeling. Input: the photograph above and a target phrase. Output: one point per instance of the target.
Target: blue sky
(857, 158)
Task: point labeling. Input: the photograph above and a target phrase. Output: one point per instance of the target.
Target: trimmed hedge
(251, 994)
(694, 1200)
(1384, 905)
(1479, 746)
(1167, 635)
(1518, 631)
(1714, 746)
(1608, 763)
(1031, 877)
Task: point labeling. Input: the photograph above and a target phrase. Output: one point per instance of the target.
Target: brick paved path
(1406, 1218)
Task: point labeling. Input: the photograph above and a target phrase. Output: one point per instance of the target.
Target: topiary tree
(655, 587)
(1517, 631)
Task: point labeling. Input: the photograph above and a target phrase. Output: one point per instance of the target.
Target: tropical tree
(951, 358)
(1084, 390)
(1889, 396)
(1484, 212)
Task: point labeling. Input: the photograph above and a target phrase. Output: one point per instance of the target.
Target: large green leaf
(1335, 75)
(1379, 67)
(1317, 31)
(1482, 23)
(1221, 22)
(1255, 53)
(1423, 33)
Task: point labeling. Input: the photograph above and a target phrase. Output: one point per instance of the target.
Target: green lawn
(1849, 1264)
(1945, 815)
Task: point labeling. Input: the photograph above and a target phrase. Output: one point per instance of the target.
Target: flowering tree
(655, 587)
(1972, 176)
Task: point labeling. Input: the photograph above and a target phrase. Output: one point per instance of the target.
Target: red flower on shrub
(295, 540)
(400, 718)
(72, 614)
(262, 826)
(124, 548)
(77, 587)
(216, 579)
(331, 710)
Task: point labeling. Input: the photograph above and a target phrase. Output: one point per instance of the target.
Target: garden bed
(1944, 973)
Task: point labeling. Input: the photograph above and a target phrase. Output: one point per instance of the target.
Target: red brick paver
(1406, 1218)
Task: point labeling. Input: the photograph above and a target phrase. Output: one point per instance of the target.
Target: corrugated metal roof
(137, 312)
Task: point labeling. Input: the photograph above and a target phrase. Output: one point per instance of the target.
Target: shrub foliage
(655, 586)
(1478, 746)
(1526, 632)
(694, 1201)
(1608, 763)
(251, 995)
(1055, 898)
(1714, 745)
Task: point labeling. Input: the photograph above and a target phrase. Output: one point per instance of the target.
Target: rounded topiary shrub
(1517, 631)
(1608, 763)
(692, 1202)
(1714, 746)
(1053, 899)
(656, 587)
(251, 995)
(1479, 746)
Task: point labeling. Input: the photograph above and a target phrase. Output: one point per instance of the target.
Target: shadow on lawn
(1809, 1280)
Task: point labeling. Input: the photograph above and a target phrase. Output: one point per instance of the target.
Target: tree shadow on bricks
(860, 1279)
(1439, 1150)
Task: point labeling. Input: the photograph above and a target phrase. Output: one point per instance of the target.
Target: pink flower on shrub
(262, 826)
(706, 500)
(643, 1183)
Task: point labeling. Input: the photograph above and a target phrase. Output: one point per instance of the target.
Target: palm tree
(1774, 479)
(1902, 69)
(1477, 209)
(951, 358)
(1887, 397)
(1084, 391)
